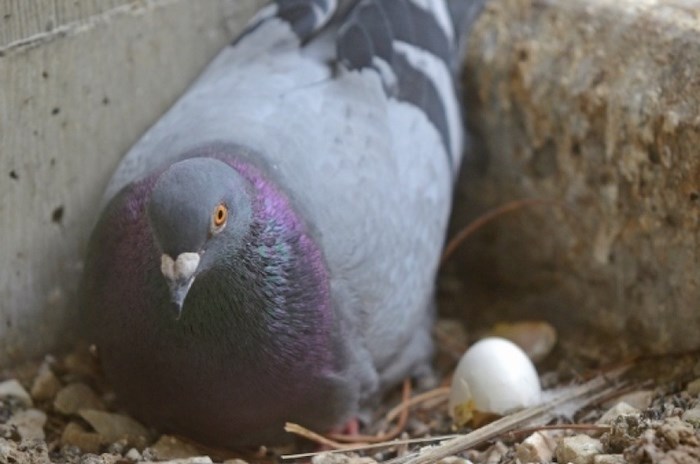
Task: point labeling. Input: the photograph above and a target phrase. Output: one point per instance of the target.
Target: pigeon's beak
(180, 274)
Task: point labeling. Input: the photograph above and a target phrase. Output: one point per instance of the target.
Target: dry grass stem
(441, 393)
(343, 442)
(517, 434)
(489, 216)
(581, 396)
(355, 448)
(395, 432)
(310, 435)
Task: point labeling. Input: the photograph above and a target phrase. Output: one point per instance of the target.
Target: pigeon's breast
(253, 348)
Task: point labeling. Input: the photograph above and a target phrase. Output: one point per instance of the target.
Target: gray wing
(305, 17)
(410, 46)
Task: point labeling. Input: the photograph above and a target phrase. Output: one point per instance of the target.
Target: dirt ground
(60, 410)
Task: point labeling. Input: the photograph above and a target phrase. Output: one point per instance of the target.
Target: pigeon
(266, 252)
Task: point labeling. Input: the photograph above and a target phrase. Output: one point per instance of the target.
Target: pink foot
(351, 427)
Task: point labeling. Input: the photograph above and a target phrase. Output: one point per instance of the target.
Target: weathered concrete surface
(79, 82)
(595, 104)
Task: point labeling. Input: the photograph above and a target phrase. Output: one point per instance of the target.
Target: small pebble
(46, 384)
(609, 459)
(579, 449)
(101, 459)
(454, 460)
(113, 427)
(74, 397)
(538, 447)
(29, 424)
(495, 453)
(535, 338)
(693, 388)
(620, 409)
(624, 432)
(133, 455)
(26, 452)
(417, 428)
(117, 447)
(169, 447)
(195, 460)
(12, 388)
(640, 399)
(692, 416)
(8, 450)
(148, 455)
(340, 458)
(88, 442)
(81, 364)
(70, 453)
(675, 431)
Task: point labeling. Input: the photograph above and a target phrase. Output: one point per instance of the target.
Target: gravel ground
(60, 410)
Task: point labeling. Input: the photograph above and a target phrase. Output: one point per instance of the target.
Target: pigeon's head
(199, 211)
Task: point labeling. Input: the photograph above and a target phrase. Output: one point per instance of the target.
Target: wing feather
(304, 17)
(410, 43)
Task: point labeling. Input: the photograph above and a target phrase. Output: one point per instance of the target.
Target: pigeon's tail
(305, 17)
(463, 13)
(414, 46)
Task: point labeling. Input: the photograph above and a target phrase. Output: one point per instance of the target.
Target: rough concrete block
(79, 82)
(594, 104)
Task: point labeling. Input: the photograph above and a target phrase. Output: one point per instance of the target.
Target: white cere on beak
(182, 268)
(167, 267)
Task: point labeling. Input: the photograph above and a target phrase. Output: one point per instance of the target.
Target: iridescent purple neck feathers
(258, 317)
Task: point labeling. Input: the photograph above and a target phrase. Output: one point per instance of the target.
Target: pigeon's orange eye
(219, 217)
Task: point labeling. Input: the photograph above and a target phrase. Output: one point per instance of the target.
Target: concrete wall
(79, 82)
(594, 104)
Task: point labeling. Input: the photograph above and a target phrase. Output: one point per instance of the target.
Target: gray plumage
(333, 145)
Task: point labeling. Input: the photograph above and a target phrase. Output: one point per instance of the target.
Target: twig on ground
(395, 432)
(343, 442)
(515, 435)
(446, 344)
(440, 392)
(489, 216)
(310, 435)
(387, 444)
(581, 396)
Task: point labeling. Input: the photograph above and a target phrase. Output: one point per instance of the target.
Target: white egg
(494, 376)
